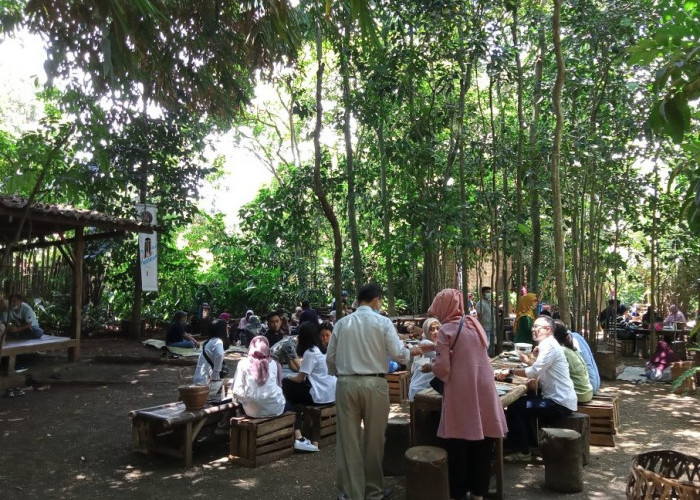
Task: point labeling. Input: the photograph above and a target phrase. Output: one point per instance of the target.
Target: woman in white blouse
(257, 382)
(421, 373)
(313, 384)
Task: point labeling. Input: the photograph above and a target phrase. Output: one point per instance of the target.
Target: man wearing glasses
(557, 398)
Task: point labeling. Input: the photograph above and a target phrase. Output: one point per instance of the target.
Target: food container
(194, 396)
(523, 347)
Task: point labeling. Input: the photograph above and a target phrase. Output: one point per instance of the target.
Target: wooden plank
(274, 436)
(602, 440)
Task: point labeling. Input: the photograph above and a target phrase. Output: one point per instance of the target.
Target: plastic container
(523, 347)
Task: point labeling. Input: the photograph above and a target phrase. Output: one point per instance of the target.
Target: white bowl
(523, 347)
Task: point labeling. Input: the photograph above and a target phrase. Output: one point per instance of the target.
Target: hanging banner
(148, 249)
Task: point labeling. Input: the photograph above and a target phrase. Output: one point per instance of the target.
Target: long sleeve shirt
(362, 342)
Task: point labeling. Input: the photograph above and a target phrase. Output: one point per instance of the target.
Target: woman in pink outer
(472, 415)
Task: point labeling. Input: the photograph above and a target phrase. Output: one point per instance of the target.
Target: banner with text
(148, 249)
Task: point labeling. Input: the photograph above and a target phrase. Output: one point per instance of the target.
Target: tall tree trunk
(534, 277)
(347, 117)
(518, 258)
(559, 268)
(386, 222)
(318, 185)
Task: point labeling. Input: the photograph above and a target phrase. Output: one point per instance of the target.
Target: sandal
(18, 391)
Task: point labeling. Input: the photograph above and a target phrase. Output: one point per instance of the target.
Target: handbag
(437, 384)
(224, 367)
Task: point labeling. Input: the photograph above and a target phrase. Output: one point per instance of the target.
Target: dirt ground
(73, 440)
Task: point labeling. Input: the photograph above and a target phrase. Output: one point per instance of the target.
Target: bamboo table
(170, 430)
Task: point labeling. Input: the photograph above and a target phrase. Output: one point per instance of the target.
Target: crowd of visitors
(346, 362)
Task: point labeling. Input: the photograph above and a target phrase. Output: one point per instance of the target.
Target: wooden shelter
(25, 226)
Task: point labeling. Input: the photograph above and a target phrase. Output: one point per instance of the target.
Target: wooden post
(79, 251)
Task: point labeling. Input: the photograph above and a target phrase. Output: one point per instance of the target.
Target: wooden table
(170, 430)
(425, 417)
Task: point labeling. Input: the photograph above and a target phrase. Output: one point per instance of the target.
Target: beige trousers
(361, 400)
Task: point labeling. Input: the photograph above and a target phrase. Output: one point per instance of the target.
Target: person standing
(484, 312)
(472, 416)
(357, 353)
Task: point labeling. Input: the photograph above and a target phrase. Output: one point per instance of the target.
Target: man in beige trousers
(358, 353)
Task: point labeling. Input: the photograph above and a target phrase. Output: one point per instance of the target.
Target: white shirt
(258, 401)
(204, 373)
(361, 343)
(553, 371)
(420, 380)
(313, 365)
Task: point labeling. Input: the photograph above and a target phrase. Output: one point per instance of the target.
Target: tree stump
(426, 473)
(396, 442)
(563, 460)
(579, 422)
(607, 366)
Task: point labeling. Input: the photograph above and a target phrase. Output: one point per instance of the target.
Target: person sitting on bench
(176, 336)
(20, 320)
(312, 385)
(209, 370)
(257, 385)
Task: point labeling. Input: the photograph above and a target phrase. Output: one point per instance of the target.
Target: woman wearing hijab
(258, 381)
(472, 415)
(524, 318)
(658, 369)
(242, 336)
(421, 367)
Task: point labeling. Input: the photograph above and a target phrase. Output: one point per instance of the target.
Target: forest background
(419, 144)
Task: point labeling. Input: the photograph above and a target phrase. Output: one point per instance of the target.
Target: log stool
(426, 473)
(563, 460)
(677, 370)
(579, 422)
(396, 441)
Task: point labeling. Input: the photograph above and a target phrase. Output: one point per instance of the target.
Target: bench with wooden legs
(170, 430)
(10, 348)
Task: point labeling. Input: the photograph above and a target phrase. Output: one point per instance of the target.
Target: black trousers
(297, 394)
(521, 415)
(469, 466)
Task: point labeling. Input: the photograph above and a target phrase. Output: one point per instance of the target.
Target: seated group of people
(563, 366)
(258, 384)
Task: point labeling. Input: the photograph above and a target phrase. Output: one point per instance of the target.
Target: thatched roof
(44, 219)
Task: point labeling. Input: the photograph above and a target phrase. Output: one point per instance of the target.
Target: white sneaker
(304, 444)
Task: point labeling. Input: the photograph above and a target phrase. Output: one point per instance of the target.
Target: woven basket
(664, 475)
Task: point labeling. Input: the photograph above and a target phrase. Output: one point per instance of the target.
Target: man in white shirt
(557, 398)
(360, 346)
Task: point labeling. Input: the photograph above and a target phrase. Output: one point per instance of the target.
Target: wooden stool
(604, 419)
(426, 473)
(563, 460)
(396, 443)
(398, 386)
(579, 422)
(319, 424)
(258, 441)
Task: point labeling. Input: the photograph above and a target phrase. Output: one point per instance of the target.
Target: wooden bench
(604, 419)
(319, 424)
(11, 348)
(398, 386)
(258, 441)
(170, 430)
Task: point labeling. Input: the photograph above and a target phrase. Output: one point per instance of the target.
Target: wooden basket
(664, 475)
